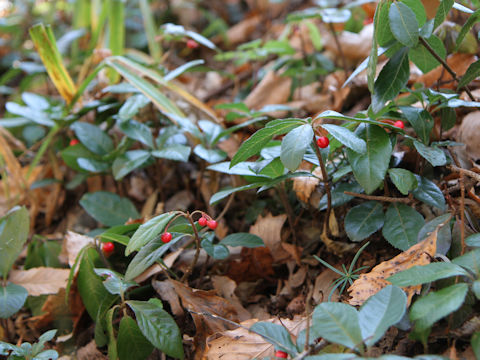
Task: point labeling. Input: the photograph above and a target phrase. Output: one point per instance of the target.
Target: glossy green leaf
(294, 146)
(277, 335)
(131, 107)
(242, 239)
(383, 34)
(475, 342)
(471, 74)
(337, 323)
(403, 24)
(109, 208)
(370, 168)
(128, 162)
(114, 282)
(392, 79)
(209, 155)
(158, 327)
(14, 228)
(137, 131)
(417, 275)
(257, 141)
(418, 9)
(421, 57)
(112, 340)
(216, 251)
(380, 311)
(473, 240)
(94, 138)
(403, 179)
(34, 115)
(148, 231)
(363, 220)
(94, 295)
(469, 261)
(442, 11)
(131, 344)
(346, 137)
(12, 298)
(174, 152)
(429, 193)
(402, 224)
(436, 305)
(432, 154)
(338, 195)
(421, 121)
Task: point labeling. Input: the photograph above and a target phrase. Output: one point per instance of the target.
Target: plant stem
(406, 200)
(326, 184)
(339, 47)
(197, 251)
(445, 65)
(288, 209)
(45, 144)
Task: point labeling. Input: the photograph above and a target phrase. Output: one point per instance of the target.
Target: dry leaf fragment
(226, 288)
(269, 229)
(304, 185)
(272, 89)
(468, 134)
(40, 280)
(241, 344)
(72, 245)
(369, 284)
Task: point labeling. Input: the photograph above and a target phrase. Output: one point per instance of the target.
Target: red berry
(166, 237)
(74, 142)
(212, 224)
(323, 142)
(399, 124)
(281, 354)
(192, 44)
(108, 248)
(202, 221)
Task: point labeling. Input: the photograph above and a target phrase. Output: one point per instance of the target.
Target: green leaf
(442, 11)
(131, 107)
(112, 341)
(114, 282)
(404, 24)
(108, 208)
(469, 261)
(277, 335)
(92, 165)
(370, 168)
(174, 152)
(402, 224)
(209, 155)
(131, 344)
(391, 80)
(148, 255)
(418, 9)
(128, 162)
(471, 74)
(383, 34)
(137, 131)
(258, 140)
(148, 231)
(436, 305)
(34, 115)
(95, 139)
(94, 295)
(433, 155)
(417, 275)
(429, 193)
(158, 327)
(472, 19)
(475, 342)
(294, 145)
(421, 121)
(363, 220)
(347, 138)
(216, 251)
(12, 298)
(338, 195)
(473, 240)
(14, 228)
(380, 311)
(338, 323)
(421, 57)
(403, 179)
(242, 239)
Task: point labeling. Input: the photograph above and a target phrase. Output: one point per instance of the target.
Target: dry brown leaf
(458, 62)
(225, 287)
(72, 245)
(241, 344)
(304, 185)
(371, 283)
(337, 247)
(355, 47)
(253, 264)
(272, 89)
(90, 352)
(323, 287)
(166, 290)
(269, 229)
(468, 133)
(431, 7)
(241, 31)
(40, 280)
(149, 206)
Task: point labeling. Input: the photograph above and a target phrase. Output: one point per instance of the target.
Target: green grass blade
(116, 32)
(150, 30)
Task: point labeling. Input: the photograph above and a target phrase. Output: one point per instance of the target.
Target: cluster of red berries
(203, 221)
(108, 248)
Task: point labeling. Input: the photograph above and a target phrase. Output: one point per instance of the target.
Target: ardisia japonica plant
(27, 351)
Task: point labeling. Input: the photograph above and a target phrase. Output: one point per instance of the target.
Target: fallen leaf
(225, 287)
(269, 229)
(166, 290)
(72, 245)
(458, 62)
(241, 344)
(272, 89)
(253, 264)
(241, 31)
(355, 47)
(468, 134)
(40, 280)
(304, 185)
(90, 352)
(369, 284)
(323, 287)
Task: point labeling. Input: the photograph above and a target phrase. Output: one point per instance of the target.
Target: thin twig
(339, 47)
(312, 350)
(466, 172)
(326, 184)
(445, 65)
(197, 250)
(406, 200)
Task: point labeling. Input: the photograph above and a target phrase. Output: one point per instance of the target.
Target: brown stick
(466, 172)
